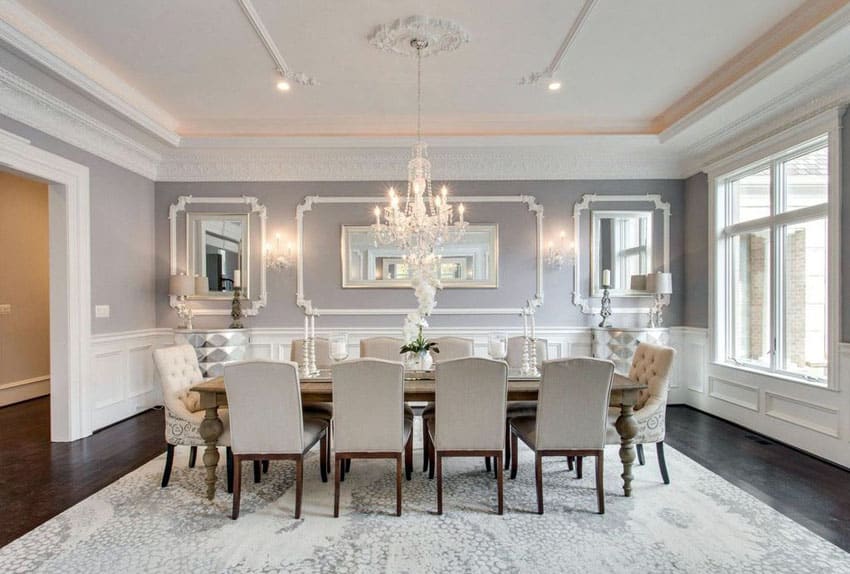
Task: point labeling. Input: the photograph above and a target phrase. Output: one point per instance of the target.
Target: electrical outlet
(6, 309)
(101, 311)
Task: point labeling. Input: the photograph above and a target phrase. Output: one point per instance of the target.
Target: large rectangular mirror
(217, 246)
(472, 261)
(621, 244)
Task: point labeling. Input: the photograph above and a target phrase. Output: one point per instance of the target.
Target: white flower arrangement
(425, 280)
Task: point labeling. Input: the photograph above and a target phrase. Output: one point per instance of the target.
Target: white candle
(524, 324)
(237, 278)
(532, 326)
(460, 211)
(306, 327)
(377, 216)
(606, 277)
(313, 326)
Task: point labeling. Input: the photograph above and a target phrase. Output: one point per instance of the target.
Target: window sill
(785, 377)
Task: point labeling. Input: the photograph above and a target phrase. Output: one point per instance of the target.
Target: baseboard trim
(20, 391)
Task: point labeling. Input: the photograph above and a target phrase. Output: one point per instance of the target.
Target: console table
(214, 347)
(619, 344)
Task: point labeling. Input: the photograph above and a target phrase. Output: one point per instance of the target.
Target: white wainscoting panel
(124, 380)
(734, 392)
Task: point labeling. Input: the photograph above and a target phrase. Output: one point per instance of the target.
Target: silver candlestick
(606, 308)
(236, 309)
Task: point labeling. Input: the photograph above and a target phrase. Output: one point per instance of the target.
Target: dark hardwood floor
(40, 479)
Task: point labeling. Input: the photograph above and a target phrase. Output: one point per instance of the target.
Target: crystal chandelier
(423, 222)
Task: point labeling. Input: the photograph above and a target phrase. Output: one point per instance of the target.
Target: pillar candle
(306, 327)
(237, 278)
(313, 326)
(606, 277)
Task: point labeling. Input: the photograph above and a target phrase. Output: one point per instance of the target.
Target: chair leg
(337, 477)
(641, 459)
(659, 446)
(515, 457)
(193, 456)
(348, 465)
(342, 470)
(500, 483)
(237, 486)
(600, 490)
(228, 457)
(257, 471)
(439, 465)
(432, 456)
(169, 461)
(398, 485)
(538, 480)
(579, 460)
(426, 445)
(570, 460)
(299, 484)
(265, 467)
(487, 463)
(408, 458)
(508, 446)
(323, 461)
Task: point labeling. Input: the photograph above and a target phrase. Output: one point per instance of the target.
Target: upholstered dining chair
(178, 370)
(651, 365)
(469, 419)
(386, 348)
(571, 418)
(370, 422)
(323, 361)
(267, 423)
(522, 408)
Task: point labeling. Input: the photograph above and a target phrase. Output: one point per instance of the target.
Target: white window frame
(803, 137)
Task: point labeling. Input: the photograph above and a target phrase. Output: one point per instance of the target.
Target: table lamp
(182, 286)
(659, 284)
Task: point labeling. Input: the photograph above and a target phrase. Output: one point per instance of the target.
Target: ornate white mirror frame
(256, 208)
(585, 302)
(307, 305)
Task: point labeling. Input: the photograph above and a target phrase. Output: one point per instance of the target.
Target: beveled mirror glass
(473, 261)
(621, 243)
(217, 246)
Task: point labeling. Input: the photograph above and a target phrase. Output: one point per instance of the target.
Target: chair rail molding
(309, 308)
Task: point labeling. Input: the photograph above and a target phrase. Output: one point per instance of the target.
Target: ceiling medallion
(437, 34)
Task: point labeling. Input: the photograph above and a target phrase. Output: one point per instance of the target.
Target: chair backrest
(323, 352)
(471, 396)
(515, 346)
(453, 348)
(651, 366)
(386, 348)
(368, 406)
(178, 370)
(264, 400)
(572, 405)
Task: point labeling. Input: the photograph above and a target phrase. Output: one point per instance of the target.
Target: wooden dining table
(418, 386)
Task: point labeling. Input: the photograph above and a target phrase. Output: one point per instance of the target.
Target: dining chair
(571, 418)
(323, 361)
(469, 419)
(386, 348)
(369, 420)
(178, 370)
(267, 423)
(651, 365)
(516, 346)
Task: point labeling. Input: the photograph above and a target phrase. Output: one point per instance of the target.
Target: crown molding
(30, 105)
(31, 36)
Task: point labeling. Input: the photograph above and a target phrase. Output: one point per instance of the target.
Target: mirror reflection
(472, 261)
(622, 247)
(217, 248)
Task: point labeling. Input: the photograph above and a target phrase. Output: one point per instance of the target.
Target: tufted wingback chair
(651, 365)
(178, 370)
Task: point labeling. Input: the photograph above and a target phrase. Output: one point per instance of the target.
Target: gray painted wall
(122, 238)
(695, 240)
(322, 276)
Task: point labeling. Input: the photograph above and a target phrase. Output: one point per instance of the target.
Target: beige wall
(24, 268)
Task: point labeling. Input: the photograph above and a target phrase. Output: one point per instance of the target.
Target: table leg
(627, 428)
(210, 429)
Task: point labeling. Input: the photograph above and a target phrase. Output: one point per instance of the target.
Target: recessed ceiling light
(554, 86)
(283, 86)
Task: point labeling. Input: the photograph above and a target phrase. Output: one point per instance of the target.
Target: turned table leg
(210, 429)
(627, 428)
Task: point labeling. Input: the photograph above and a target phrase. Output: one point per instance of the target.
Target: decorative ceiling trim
(794, 35)
(441, 36)
(271, 46)
(25, 32)
(30, 105)
(557, 60)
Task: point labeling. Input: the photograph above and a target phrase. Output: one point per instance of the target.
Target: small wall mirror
(218, 246)
(621, 242)
(473, 261)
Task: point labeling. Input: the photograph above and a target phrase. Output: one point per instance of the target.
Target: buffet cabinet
(619, 345)
(215, 347)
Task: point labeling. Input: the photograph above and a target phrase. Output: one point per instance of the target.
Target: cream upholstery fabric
(264, 400)
(573, 405)
(651, 365)
(323, 352)
(470, 404)
(515, 345)
(178, 370)
(368, 402)
(386, 348)
(453, 348)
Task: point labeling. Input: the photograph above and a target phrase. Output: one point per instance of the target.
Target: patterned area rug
(699, 523)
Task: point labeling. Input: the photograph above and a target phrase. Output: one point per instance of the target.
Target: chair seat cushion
(185, 429)
(428, 410)
(521, 409)
(526, 429)
(192, 400)
(313, 428)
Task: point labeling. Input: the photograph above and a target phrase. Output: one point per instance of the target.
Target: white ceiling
(202, 63)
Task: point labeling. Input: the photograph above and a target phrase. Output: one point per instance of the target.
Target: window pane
(751, 297)
(806, 179)
(750, 196)
(805, 296)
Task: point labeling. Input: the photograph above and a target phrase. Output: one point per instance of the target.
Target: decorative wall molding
(734, 392)
(440, 34)
(30, 35)
(817, 417)
(30, 105)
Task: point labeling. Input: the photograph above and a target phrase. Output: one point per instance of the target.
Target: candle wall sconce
(560, 253)
(275, 257)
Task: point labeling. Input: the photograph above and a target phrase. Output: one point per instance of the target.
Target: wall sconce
(558, 255)
(275, 257)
